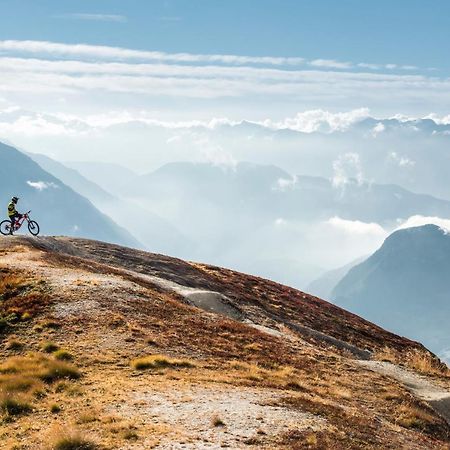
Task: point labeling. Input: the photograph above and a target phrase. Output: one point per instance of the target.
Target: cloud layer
(59, 67)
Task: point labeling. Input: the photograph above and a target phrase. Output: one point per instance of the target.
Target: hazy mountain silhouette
(268, 191)
(111, 177)
(404, 286)
(324, 285)
(72, 178)
(57, 208)
(153, 231)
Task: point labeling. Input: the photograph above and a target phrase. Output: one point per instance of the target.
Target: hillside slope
(404, 286)
(137, 350)
(57, 208)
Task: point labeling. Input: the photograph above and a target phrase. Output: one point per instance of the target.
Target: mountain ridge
(169, 349)
(407, 277)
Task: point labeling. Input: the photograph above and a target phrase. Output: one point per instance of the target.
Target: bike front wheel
(5, 227)
(33, 227)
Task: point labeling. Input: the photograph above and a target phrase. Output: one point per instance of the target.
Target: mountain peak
(404, 285)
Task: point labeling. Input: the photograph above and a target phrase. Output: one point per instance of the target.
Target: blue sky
(68, 68)
(404, 32)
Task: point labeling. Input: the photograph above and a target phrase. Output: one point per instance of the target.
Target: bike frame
(18, 223)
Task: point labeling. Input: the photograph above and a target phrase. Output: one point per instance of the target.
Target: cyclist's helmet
(15, 199)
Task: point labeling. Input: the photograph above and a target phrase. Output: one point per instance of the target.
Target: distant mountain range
(112, 177)
(58, 208)
(404, 286)
(251, 217)
(268, 191)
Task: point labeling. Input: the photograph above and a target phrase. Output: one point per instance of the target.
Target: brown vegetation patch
(21, 298)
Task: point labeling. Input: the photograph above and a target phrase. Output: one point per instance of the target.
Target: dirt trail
(214, 416)
(422, 388)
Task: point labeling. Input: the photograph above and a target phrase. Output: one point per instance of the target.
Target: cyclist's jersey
(11, 209)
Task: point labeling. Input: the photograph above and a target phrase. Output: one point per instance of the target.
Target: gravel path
(422, 388)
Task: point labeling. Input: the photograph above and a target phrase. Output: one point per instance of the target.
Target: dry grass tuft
(38, 367)
(88, 417)
(14, 345)
(386, 354)
(11, 284)
(55, 408)
(282, 377)
(160, 362)
(22, 380)
(217, 421)
(14, 404)
(426, 363)
(63, 355)
(49, 347)
(68, 439)
(413, 417)
(130, 435)
(51, 324)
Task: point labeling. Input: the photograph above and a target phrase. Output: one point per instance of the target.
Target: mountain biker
(12, 213)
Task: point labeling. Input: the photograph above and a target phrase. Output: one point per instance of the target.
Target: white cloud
(341, 240)
(40, 68)
(440, 120)
(173, 139)
(41, 185)
(346, 168)
(320, 120)
(377, 129)
(14, 121)
(17, 121)
(418, 221)
(370, 66)
(284, 184)
(330, 64)
(401, 161)
(357, 227)
(214, 153)
(93, 17)
(280, 222)
(119, 53)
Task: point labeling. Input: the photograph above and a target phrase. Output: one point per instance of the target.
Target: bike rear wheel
(33, 227)
(5, 227)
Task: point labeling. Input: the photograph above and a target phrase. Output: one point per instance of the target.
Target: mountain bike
(33, 226)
